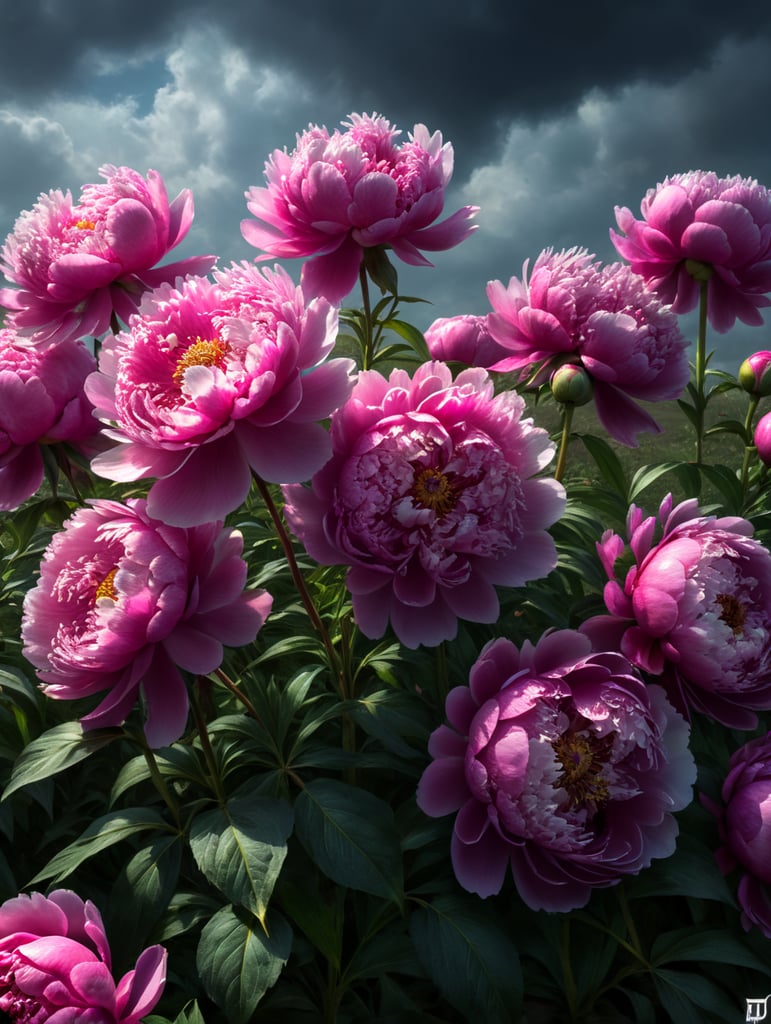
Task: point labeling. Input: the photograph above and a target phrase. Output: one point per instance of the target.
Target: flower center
(733, 612)
(107, 587)
(583, 759)
(200, 353)
(434, 489)
(85, 225)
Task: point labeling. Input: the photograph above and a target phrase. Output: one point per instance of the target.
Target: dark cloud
(460, 67)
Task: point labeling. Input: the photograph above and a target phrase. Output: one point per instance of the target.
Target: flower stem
(159, 782)
(368, 354)
(748, 447)
(571, 994)
(701, 370)
(237, 693)
(206, 747)
(299, 582)
(562, 456)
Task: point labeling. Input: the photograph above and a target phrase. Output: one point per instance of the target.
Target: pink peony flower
(464, 339)
(124, 601)
(42, 401)
(55, 965)
(337, 195)
(429, 498)
(697, 227)
(745, 828)
(561, 764)
(78, 265)
(574, 310)
(695, 606)
(215, 381)
(762, 438)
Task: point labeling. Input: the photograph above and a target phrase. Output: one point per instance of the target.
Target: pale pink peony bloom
(694, 608)
(336, 195)
(431, 500)
(77, 265)
(463, 339)
(696, 227)
(762, 438)
(215, 381)
(55, 965)
(745, 828)
(562, 765)
(42, 401)
(575, 310)
(124, 601)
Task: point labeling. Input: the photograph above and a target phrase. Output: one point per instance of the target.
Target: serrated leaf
(104, 832)
(470, 960)
(351, 836)
(241, 848)
(55, 750)
(238, 962)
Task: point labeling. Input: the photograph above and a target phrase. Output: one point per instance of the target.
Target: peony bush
(361, 674)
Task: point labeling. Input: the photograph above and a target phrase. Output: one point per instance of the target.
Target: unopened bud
(755, 374)
(763, 438)
(572, 385)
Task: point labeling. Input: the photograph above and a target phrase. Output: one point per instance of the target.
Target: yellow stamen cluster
(107, 587)
(433, 489)
(200, 353)
(85, 225)
(583, 759)
(733, 612)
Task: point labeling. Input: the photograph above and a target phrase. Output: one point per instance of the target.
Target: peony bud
(755, 374)
(571, 385)
(763, 438)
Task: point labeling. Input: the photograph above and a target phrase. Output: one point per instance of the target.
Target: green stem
(160, 783)
(701, 370)
(237, 693)
(562, 455)
(748, 447)
(571, 994)
(299, 582)
(206, 747)
(368, 356)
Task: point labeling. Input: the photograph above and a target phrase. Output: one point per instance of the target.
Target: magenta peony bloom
(77, 265)
(428, 497)
(42, 401)
(762, 438)
(562, 764)
(755, 374)
(215, 381)
(574, 310)
(339, 194)
(696, 606)
(463, 339)
(745, 828)
(698, 227)
(55, 965)
(124, 601)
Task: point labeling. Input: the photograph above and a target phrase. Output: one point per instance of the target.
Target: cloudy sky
(556, 113)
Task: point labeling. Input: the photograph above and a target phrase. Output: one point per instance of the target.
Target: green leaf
(318, 915)
(690, 871)
(104, 832)
(238, 962)
(411, 335)
(704, 945)
(608, 463)
(241, 847)
(470, 960)
(681, 992)
(647, 475)
(54, 751)
(142, 893)
(16, 688)
(351, 836)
